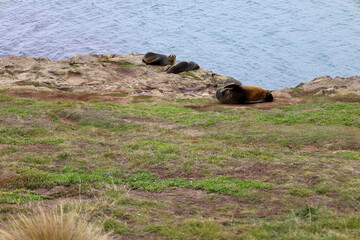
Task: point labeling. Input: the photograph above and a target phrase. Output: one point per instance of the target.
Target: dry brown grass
(52, 224)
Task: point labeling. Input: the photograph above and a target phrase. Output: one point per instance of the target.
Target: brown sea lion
(158, 59)
(235, 94)
(183, 66)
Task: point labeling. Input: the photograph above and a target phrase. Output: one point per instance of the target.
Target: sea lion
(234, 93)
(183, 66)
(159, 59)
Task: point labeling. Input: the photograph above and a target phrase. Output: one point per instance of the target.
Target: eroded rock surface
(126, 74)
(337, 85)
(105, 74)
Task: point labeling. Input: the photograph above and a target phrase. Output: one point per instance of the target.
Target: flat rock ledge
(339, 84)
(107, 73)
(126, 74)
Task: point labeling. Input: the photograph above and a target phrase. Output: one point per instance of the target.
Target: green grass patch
(126, 64)
(8, 150)
(35, 159)
(223, 184)
(160, 147)
(193, 76)
(196, 101)
(16, 111)
(340, 113)
(35, 84)
(119, 95)
(177, 113)
(74, 66)
(24, 135)
(129, 64)
(348, 155)
(300, 191)
(141, 98)
(297, 136)
(33, 178)
(109, 124)
(21, 107)
(305, 223)
(190, 229)
(252, 154)
(297, 90)
(19, 196)
(98, 119)
(115, 226)
(310, 151)
(152, 152)
(5, 98)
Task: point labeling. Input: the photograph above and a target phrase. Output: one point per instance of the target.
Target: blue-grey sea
(273, 44)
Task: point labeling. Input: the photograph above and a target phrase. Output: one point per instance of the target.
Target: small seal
(158, 59)
(235, 94)
(183, 66)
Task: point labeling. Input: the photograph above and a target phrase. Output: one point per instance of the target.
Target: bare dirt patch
(281, 98)
(6, 178)
(258, 171)
(189, 202)
(39, 148)
(202, 108)
(64, 96)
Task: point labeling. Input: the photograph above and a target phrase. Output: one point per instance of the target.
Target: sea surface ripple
(273, 44)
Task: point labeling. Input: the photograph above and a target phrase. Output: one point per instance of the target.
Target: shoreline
(126, 74)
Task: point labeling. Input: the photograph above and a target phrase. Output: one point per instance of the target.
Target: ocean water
(273, 44)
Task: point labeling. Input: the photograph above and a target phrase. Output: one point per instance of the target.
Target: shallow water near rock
(273, 44)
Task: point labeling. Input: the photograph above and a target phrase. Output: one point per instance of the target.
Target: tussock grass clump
(52, 225)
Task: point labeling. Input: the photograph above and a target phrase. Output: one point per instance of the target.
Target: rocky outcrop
(327, 85)
(126, 74)
(105, 74)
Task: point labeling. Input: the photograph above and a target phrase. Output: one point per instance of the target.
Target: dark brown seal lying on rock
(183, 66)
(158, 59)
(235, 94)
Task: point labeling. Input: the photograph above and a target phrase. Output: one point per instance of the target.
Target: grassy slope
(187, 169)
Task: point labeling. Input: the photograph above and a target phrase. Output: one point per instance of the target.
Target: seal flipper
(166, 68)
(156, 61)
(144, 62)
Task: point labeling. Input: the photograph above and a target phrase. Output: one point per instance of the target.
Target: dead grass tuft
(52, 224)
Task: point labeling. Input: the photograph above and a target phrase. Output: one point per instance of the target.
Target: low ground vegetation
(185, 168)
